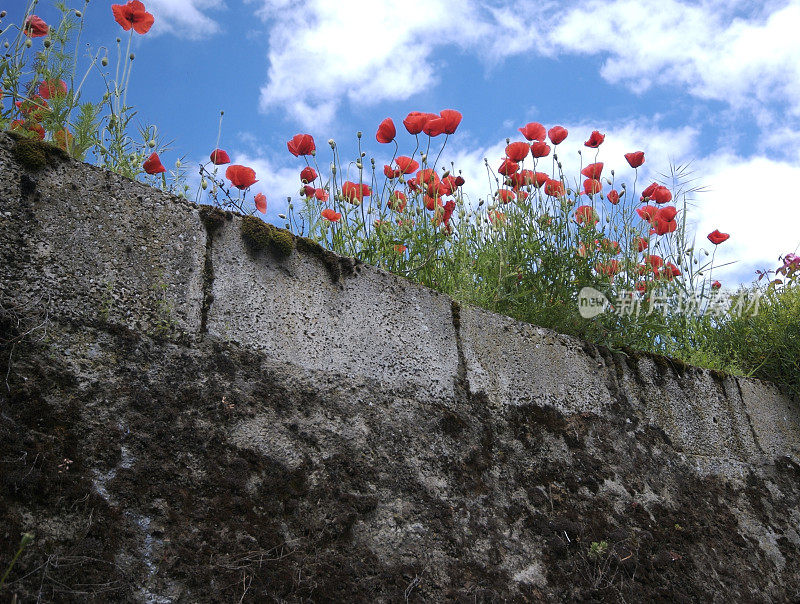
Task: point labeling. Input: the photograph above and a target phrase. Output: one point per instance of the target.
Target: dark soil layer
(152, 470)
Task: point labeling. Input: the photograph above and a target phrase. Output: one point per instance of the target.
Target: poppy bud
(2, 14)
(131, 56)
(446, 174)
(291, 207)
(359, 134)
(151, 143)
(204, 184)
(287, 226)
(178, 163)
(47, 43)
(104, 62)
(424, 157)
(118, 40)
(282, 216)
(579, 152)
(78, 14)
(332, 143)
(5, 44)
(333, 169)
(28, 43)
(359, 165)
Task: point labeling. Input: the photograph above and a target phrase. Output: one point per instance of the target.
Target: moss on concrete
(213, 218)
(260, 235)
(35, 154)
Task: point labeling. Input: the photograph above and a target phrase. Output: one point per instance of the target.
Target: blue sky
(715, 83)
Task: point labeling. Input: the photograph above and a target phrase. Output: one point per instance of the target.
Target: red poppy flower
(219, 157)
(540, 149)
(355, 193)
(261, 203)
(592, 186)
(496, 216)
(406, 164)
(655, 261)
(460, 181)
(662, 227)
(308, 191)
(35, 27)
(595, 140)
(397, 201)
(449, 208)
(506, 195)
(554, 188)
(386, 131)
(388, 172)
(517, 151)
(586, 214)
(63, 139)
(610, 269)
(613, 196)
(670, 271)
(666, 214)
(641, 287)
(427, 176)
(609, 246)
(432, 202)
(540, 178)
(321, 194)
(716, 285)
(648, 192)
(642, 244)
(52, 88)
(635, 159)
(661, 194)
(28, 126)
(557, 134)
(508, 167)
(400, 249)
(330, 215)
(452, 119)
(593, 170)
(647, 213)
(241, 177)
(301, 144)
(449, 185)
(153, 165)
(33, 109)
(133, 15)
(434, 126)
(716, 237)
(308, 174)
(533, 131)
(415, 121)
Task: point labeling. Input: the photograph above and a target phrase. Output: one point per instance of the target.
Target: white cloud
(323, 52)
(184, 18)
(703, 47)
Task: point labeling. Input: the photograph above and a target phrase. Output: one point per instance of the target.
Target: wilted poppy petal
(261, 203)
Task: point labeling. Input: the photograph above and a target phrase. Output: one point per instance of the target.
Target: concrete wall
(356, 429)
(101, 246)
